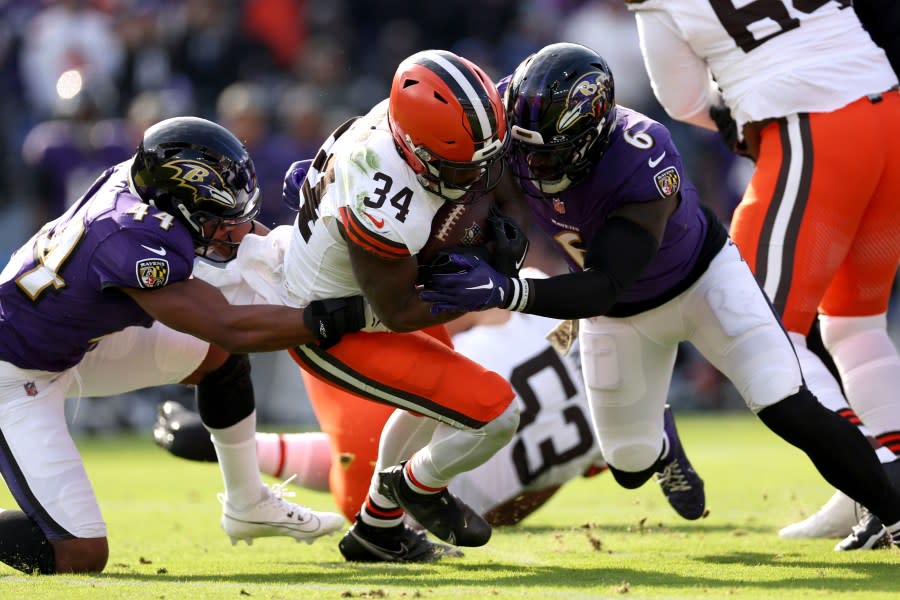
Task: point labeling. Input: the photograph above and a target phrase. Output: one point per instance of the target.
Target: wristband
(519, 294)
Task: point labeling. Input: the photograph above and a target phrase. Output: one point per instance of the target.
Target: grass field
(593, 540)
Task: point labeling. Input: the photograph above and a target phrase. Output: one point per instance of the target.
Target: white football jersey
(771, 58)
(555, 441)
(360, 180)
(256, 275)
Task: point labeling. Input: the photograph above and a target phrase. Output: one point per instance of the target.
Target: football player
(366, 208)
(365, 211)
(818, 221)
(651, 267)
(101, 301)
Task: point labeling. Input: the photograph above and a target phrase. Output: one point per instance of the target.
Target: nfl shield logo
(559, 206)
(31, 389)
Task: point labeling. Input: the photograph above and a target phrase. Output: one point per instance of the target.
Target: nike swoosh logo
(487, 286)
(379, 223)
(652, 163)
(158, 251)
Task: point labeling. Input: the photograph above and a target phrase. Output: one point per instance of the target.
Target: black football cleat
(401, 543)
(680, 484)
(868, 534)
(181, 432)
(443, 514)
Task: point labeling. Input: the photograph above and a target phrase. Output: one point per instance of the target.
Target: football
(458, 225)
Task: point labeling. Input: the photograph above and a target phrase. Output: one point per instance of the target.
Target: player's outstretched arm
(199, 309)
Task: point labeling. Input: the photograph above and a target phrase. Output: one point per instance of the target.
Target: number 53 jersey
(555, 442)
(359, 179)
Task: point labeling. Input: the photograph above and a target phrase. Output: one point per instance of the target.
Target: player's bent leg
(803, 422)
(250, 509)
(476, 420)
(635, 428)
(59, 528)
(420, 485)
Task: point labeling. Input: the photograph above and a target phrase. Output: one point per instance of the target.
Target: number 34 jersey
(59, 292)
(359, 179)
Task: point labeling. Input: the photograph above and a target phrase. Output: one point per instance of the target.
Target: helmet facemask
(215, 235)
(460, 182)
(561, 109)
(554, 168)
(199, 173)
(449, 124)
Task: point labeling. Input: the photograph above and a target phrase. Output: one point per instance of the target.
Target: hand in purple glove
(293, 180)
(469, 284)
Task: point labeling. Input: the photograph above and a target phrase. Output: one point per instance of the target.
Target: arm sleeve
(617, 254)
(680, 79)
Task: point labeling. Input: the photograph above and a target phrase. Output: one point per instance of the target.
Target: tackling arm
(615, 257)
(197, 308)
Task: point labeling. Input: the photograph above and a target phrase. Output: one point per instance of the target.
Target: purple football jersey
(640, 165)
(59, 292)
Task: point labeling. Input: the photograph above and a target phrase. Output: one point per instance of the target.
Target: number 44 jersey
(60, 293)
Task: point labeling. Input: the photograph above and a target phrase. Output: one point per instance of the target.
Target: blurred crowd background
(82, 79)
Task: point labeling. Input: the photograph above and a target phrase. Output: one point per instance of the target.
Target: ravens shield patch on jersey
(152, 272)
(667, 181)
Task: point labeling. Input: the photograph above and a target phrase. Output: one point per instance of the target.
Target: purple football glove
(469, 284)
(293, 180)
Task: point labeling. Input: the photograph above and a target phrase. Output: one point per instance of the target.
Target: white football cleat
(274, 516)
(834, 520)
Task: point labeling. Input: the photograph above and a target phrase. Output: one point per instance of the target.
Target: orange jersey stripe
(376, 244)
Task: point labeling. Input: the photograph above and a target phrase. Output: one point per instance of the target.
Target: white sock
(870, 368)
(306, 456)
(236, 451)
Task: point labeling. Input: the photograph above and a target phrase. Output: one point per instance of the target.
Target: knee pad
(225, 396)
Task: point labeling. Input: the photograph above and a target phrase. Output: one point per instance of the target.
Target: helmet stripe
(476, 105)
